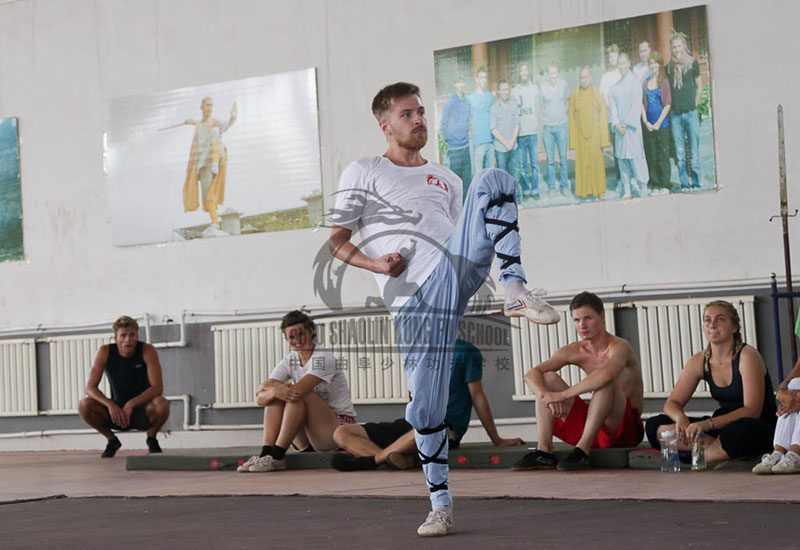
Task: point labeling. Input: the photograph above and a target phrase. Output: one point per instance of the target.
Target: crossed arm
(788, 400)
(273, 389)
(598, 378)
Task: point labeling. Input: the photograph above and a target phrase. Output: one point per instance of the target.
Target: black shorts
(384, 434)
(138, 420)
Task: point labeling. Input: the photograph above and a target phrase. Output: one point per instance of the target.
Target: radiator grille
(18, 396)
(245, 354)
(671, 331)
(71, 359)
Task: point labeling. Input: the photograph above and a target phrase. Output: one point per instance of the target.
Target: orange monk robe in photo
(216, 192)
(588, 134)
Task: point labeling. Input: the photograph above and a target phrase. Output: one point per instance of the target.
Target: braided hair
(738, 342)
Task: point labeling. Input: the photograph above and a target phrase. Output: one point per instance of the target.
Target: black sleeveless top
(126, 375)
(731, 397)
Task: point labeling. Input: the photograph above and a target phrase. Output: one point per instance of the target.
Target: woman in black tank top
(744, 423)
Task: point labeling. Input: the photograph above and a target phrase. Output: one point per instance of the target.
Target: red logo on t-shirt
(433, 180)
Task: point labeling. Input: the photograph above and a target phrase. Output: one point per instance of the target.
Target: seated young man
(611, 418)
(392, 443)
(136, 403)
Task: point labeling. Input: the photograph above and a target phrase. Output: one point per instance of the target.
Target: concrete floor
(312, 522)
(597, 508)
(84, 474)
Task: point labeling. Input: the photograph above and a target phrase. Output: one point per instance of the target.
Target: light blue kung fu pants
(426, 326)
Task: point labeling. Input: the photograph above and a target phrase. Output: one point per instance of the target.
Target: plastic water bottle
(698, 455)
(670, 461)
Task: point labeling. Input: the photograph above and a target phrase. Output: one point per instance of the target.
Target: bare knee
(341, 435)
(554, 382)
(88, 406)
(159, 407)
(344, 433)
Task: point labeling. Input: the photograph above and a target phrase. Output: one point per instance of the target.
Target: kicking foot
(112, 447)
(438, 523)
(267, 464)
(533, 308)
(399, 461)
(536, 460)
(345, 462)
(153, 446)
(575, 461)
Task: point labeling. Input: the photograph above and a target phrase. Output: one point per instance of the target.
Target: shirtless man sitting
(611, 418)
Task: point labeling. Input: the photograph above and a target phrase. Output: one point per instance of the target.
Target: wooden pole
(785, 221)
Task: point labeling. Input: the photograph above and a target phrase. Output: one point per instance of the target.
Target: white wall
(62, 60)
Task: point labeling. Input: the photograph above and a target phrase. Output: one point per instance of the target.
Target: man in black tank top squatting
(134, 374)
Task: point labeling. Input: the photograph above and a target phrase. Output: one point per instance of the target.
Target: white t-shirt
(333, 389)
(606, 83)
(397, 209)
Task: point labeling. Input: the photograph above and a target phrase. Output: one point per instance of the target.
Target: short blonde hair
(125, 321)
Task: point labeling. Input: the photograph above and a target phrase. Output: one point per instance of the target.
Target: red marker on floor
(214, 464)
(461, 459)
(494, 459)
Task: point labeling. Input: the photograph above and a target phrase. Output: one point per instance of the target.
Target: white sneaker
(788, 465)
(438, 524)
(245, 466)
(766, 464)
(533, 308)
(267, 464)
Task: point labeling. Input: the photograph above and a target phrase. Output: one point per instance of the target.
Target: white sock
(448, 509)
(794, 457)
(777, 456)
(514, 288)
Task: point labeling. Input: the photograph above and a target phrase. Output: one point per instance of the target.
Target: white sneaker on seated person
(767, 462)
(245, 466)
(267, 464)
(789, 464)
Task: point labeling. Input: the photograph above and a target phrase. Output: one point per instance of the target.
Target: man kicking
(612, 418)
(134, 374)
(415, 235)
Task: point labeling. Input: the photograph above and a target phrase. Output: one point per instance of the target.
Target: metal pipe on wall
(42, 330)
(186, 399)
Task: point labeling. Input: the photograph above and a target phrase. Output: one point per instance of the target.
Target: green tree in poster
(10, 193)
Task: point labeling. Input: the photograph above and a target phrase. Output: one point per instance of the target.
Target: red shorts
(629, 433)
